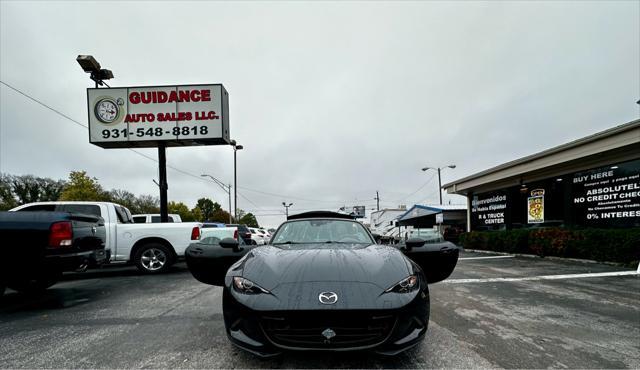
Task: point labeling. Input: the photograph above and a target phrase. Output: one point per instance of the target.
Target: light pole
(236, 147)
(286, 208)
(226, 188)
(90, 65)
(452, 166)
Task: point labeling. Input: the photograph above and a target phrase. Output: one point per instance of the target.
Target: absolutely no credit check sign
(179, 115)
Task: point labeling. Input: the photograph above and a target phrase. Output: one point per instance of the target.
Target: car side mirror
(414, 243)
(230, 243)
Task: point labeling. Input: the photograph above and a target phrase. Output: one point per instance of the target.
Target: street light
(236, 147)
(226, 188)
(286, 207)
(90, 65)
(452, 166)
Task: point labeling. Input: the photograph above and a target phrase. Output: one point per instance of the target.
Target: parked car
(257, 236)
(151, 247)
(245, 233)
(324, 284)
(38, 246)
(266, 235)
(154, 218)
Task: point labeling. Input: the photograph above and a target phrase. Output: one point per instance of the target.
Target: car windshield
(322, 231)
(215, 235)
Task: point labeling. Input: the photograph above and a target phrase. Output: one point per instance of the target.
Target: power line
(420, 188)
(85, 126)
(286, 196)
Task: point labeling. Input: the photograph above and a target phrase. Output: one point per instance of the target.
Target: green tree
(50, 190)
(249, 219)
(124, 198)
(16, 190)
(197, 214)
(83, 187)
(180, 208)
(147, 204)
(241, 213)
(207, 207)
(7, 199)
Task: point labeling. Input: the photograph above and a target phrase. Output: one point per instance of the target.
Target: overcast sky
(332, 100)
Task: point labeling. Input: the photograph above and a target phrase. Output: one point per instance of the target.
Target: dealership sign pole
(159, 116)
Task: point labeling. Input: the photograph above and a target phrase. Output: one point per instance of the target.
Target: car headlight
(247, 286)
(406, 285)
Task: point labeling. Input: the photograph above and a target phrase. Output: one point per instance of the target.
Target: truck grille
(347, 329)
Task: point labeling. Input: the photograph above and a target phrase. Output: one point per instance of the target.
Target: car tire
(153, 258)
(34, 286)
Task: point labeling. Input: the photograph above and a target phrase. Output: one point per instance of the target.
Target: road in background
(116, 318)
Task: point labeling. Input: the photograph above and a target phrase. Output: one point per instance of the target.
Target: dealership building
(589, 182)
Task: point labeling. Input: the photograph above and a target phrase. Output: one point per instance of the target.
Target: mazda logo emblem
(328, 298)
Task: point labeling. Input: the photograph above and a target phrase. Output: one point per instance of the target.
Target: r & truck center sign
(179, 115)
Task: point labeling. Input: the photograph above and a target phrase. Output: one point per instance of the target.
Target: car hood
(270, 266)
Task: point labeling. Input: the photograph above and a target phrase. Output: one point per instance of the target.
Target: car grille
(304, 329)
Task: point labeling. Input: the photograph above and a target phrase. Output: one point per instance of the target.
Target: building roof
(419, 210)
(623, 136)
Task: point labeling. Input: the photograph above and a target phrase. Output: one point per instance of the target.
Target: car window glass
(210, 240)
(39, 207)
(89, 209)
(139, 219)
(123, 216)
(155, 219)
(322, 231)
(429, 235)
(217, 233)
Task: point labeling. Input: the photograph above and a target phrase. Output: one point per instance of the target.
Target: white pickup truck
(153, 248)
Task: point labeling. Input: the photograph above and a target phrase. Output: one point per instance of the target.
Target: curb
(552, 258)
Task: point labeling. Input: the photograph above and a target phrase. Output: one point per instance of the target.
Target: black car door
(210, 258)
(436, 258)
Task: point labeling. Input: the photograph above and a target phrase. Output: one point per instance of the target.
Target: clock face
(106, 110)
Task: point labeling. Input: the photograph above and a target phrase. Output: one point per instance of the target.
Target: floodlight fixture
(88, 63)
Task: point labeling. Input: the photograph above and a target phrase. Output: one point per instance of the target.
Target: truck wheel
(153, 258)
(33, 286)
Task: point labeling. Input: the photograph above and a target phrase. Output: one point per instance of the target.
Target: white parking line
(483, 258)
(543, 277)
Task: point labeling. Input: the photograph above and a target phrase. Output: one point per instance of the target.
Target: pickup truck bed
(36, 247)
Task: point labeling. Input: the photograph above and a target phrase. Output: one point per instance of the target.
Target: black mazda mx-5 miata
(323, 283)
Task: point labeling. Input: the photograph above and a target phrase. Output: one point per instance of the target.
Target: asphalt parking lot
(501, 315)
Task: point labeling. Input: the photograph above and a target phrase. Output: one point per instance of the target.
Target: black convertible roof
(320, 214)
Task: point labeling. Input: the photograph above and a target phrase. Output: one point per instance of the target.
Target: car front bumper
(269, 333)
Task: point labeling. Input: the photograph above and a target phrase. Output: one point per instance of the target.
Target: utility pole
(377, 199)
(236, 147)
(439, 186)
(286, 208)
(230, 219)
(162, 165)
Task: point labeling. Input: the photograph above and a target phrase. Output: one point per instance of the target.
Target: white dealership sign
(179, 115)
